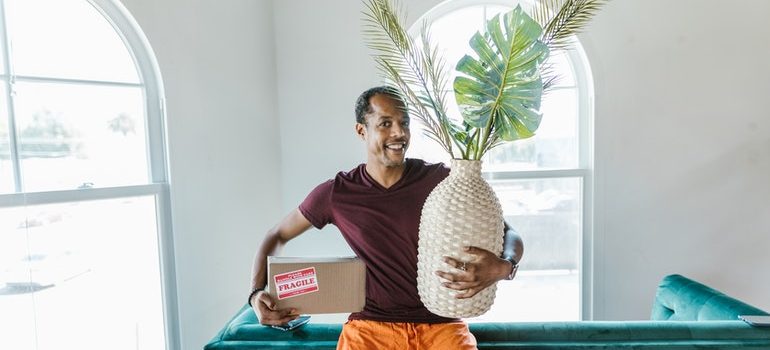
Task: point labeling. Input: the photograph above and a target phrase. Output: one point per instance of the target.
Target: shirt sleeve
(317, 206)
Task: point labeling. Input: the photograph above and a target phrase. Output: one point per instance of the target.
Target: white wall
(218, 69)
(682, 139)
(682, 149)
(322, 66)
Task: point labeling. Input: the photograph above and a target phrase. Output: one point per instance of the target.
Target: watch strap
(514, 267)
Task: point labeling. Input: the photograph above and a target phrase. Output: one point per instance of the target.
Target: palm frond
(415, 105)
(435, 66)
(408, 66)
(549, 75)
(569, 20)
(544, 11)
(494, 142)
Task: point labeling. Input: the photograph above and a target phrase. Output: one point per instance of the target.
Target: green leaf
(461, 136)
(500, 89)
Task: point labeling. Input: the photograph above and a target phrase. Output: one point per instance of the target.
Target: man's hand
(269, 315)
(484, 269)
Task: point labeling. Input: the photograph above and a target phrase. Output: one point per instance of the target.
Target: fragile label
(296, 283)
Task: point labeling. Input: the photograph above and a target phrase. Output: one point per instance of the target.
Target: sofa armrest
(243, 331)
(679, 298)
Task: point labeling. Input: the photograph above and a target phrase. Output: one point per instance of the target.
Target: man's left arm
(485, 268)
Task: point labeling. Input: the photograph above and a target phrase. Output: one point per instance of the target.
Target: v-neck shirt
(381, 226)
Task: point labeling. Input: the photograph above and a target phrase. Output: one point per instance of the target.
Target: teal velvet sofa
(685, 315)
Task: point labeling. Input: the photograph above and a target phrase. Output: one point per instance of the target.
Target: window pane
(6, 166)
(66, 39)
(549, 212)
(17, 321)
(452, 34)
(555, 144)
(89, 136)
(562, 68)
(88, 262)
(422, 147)
(547, 215)
(536, 296)
(494, 10)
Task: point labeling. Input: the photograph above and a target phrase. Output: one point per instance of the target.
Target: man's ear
(361, 131)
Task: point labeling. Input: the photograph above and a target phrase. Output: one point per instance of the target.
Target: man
(377, 208)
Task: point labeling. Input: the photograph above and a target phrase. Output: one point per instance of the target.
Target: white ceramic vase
(462, 210)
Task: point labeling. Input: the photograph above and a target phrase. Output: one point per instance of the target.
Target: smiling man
(377, 208)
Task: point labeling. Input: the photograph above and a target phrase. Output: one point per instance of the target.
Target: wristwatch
(514, 267)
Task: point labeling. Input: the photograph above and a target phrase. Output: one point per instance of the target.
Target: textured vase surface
(462, 210)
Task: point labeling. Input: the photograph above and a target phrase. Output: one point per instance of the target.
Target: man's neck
(384, 175)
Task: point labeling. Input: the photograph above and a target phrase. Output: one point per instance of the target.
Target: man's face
(386, 131)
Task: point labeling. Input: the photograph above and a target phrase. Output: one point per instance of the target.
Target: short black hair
(364, 107)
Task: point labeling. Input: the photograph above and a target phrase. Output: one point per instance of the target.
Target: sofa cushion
(243, 332)
(678, 298)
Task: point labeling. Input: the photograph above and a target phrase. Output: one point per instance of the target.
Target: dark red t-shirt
(381, 226)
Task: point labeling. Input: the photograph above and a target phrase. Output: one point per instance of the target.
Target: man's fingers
(286, 319)
(270, 318)
(277, 318)
(466, 267)
(460, 285)
(446, 275)
(288, 313)
(467, 294)
(267, 300)
(478, 251)
(279, 321)
(456, 277)
(454, 262)
(269, 314)
(468, 289)
(264, 309)
(474, 250)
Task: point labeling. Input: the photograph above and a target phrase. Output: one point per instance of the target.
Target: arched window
(543, 183)
(85, 235)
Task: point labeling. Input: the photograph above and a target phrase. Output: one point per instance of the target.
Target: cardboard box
(317, 285)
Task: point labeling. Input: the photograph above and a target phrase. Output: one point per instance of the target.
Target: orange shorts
(365, 335)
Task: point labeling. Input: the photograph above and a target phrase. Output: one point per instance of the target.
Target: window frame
(150, 82)
(584, 89)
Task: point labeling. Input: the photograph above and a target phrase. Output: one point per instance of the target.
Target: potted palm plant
(498, 89)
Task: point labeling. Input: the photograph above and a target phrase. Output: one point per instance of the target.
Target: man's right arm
(263, 305)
